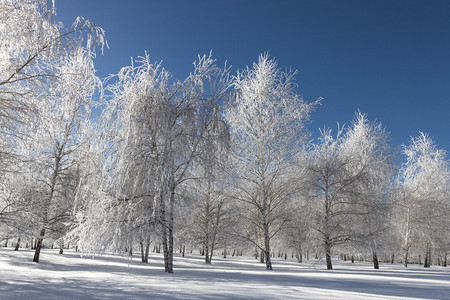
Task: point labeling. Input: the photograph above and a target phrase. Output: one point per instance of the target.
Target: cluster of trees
(213, 162)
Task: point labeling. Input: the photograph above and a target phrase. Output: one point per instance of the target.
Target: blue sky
(389, 59)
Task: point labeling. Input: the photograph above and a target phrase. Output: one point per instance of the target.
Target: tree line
(215, 162)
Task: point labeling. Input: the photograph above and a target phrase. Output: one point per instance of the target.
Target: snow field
(70, 276)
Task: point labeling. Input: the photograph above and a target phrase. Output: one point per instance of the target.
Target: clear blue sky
(390, 59)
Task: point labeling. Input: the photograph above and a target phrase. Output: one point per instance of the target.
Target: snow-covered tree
(57, 138)
(32, 46)
(348, 176)
(44, 66)
(368, 143)
(267, 128)
(208, 191)
(165, 123)
(422, 195)
(328, 183)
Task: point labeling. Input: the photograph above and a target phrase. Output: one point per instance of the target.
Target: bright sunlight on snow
(70, 276)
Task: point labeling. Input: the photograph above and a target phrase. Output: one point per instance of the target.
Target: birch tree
(208, 219)
(328, 184)
(58, 137)
(347, 176)
(32, 45)
(169, 121)
(374, 162)
(422, 194)
(267, 128)
(36, 54)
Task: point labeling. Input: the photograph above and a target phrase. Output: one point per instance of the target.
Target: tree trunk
(299, 253)
(210, 256)
(37, 252)
(207, 261)
(147, 250)
(164, 235)
(268, 260)
(405, 257)
(375, 261)
(141, 246)
(168, 250)
(328, 255)
(17, 245)
(267, 249)
(427, 262)
(225, 250)
(406, 241)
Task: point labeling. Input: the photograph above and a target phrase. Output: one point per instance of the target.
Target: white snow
(69, 276)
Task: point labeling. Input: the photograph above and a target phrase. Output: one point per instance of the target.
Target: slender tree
(422, 194)
(267, 128)
(168, 123)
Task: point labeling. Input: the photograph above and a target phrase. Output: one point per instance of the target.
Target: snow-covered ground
(69, 276)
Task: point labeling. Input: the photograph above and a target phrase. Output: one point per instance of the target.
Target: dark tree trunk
(147, 250)
(375, 261)
(427, 262)
(261, 258)
(211, 255)
(141, 246)
(328, 256)
(17, 245)
(392, 258)
(405, 257)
